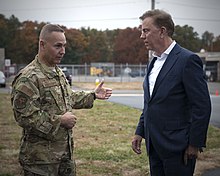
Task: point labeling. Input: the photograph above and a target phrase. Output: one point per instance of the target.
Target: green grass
(102, 138)
(213, 141)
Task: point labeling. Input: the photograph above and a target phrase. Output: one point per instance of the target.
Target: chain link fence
(109, 71)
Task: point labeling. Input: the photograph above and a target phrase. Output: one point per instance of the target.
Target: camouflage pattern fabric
(65, 168)
(40, 96)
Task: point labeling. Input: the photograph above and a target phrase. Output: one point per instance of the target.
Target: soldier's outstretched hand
(101, 92)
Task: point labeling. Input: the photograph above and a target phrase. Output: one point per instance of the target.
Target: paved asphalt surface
(214, 172)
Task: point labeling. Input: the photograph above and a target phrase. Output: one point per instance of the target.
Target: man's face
(150, 34)
(54, 48)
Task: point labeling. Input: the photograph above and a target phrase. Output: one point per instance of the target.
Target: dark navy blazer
(178, 112)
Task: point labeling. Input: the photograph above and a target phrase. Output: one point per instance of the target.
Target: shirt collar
(166, 52)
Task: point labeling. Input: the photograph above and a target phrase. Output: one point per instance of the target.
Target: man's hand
(136, 144)
(190, 153)
(101, 92)
(68, 120)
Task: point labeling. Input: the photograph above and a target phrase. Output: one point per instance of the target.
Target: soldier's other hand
(68, 120)
(102, 92)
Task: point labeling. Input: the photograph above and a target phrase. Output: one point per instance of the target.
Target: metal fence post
(121, 71)
(85, 71)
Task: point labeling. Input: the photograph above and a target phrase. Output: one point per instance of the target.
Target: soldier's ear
(42, 44)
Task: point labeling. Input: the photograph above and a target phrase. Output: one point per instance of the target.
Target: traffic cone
(216, 93)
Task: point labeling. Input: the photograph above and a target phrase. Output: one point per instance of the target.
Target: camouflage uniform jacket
(39, 98)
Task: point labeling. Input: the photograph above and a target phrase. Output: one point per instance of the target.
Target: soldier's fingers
(108, 90)
(108, 93)
(101, 83)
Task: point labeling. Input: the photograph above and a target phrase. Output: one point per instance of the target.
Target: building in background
(211, 62)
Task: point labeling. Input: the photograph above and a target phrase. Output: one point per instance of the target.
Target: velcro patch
(20, 101)
(28, 91)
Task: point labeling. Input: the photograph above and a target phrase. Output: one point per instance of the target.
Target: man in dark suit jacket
(177, 104)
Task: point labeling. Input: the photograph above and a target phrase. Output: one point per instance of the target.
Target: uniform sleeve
(82, 99)
(25, 100)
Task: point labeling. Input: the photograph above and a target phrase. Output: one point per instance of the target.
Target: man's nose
(63, 49)
(142, 36)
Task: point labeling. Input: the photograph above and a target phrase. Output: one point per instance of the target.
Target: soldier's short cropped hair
(48, 29)
(161, 18)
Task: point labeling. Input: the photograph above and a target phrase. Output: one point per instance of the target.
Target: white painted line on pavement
(126, 95)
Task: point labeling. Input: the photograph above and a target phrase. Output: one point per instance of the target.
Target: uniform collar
(50, 72)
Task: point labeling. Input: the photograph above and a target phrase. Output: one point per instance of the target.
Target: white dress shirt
(152, 77)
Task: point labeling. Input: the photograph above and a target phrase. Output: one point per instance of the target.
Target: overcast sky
(202, 15)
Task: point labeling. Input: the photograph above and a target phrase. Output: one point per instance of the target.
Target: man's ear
(42, 44)
(163, 31)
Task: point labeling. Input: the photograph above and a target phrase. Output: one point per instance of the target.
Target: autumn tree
(216, 44)
(13, 25)
(24, 45)
(129, 48)
(187, 38)
(111, 35)
(207, 41)
(20, 41)
(3, 31)
(76, 47)
(97, 49)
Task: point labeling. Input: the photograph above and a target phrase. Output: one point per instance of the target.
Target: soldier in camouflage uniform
(42, 102)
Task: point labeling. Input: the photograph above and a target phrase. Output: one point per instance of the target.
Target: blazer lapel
(151, 65)
(146, 80)
(170, 61)
(146, 88)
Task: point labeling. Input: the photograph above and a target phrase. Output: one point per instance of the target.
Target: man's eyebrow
(59, 43)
